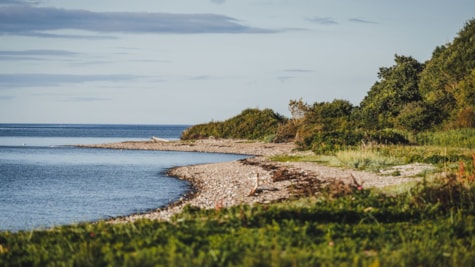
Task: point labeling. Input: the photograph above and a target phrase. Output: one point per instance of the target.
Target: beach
(256, 179)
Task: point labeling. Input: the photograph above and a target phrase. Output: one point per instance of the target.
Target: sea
(46, 181)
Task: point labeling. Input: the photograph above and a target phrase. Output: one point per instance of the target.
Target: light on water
(42, 186)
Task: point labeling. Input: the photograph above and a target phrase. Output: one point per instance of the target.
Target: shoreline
(226, 146)
(207, 188)
(248, 181)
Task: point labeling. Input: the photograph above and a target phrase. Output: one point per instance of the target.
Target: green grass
(366, 159)
(431, 225)
(357, 158)
(380, 157)
(462, 138)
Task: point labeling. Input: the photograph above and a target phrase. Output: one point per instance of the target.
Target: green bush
(251, 124)
(323, 142)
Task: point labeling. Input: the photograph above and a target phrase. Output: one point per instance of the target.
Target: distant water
(46, 182)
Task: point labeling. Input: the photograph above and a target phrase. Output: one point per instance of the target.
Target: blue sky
(193, 61)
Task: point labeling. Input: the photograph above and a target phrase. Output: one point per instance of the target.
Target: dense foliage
(409, 101)
(409, 98)
(394, 98)
(447, 82)
(250, 124)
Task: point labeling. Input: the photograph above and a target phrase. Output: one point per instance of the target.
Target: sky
(195, 61)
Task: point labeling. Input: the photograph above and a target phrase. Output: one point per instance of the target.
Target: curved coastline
(208, 186)
(248, 181)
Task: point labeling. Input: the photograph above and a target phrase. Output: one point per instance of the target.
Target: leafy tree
(440, 84)
(397, 86)
(464, 95)
(465, 118)
(324, 123)
(330, 115)
(414, 116)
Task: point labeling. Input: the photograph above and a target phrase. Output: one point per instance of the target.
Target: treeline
(409, 97)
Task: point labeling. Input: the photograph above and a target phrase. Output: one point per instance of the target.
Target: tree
(298, 109)
(325, 125)
(414, 116)
(398, 85)
(448, 67)
(464, 93)
(330, 115)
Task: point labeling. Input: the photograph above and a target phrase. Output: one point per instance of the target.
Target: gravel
(249, 181)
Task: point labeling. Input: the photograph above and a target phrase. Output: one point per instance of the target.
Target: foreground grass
(428, 226)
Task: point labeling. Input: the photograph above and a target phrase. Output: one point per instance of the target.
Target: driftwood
(157, 139)
(260, 188)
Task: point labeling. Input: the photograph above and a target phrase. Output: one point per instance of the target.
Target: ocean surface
(45, 181)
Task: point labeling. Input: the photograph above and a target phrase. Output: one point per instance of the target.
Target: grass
(462, 138)
(366, 159)
(381, 157)
(361, 229)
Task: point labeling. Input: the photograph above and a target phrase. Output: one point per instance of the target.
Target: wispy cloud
(218, 1)
(39, 52)
(323, 20)
(9, 2)
(38, 79)
(40, 21)
(87, 99)
(332, 21)
(56, 35)
(362, 20)
(298, 70)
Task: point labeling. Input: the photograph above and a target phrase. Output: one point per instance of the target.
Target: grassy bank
(379, 157)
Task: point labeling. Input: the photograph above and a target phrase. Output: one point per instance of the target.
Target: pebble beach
(253, 180)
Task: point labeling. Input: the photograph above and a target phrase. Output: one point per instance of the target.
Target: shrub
(250, 124)
(464, 138)
(330, 141)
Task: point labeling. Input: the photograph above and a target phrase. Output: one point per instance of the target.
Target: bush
(464, 138)
(330, 141)
(251, 124)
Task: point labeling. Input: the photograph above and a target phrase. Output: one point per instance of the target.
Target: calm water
(45, 182)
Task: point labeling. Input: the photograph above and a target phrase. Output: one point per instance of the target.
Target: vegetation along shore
(390, 182)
